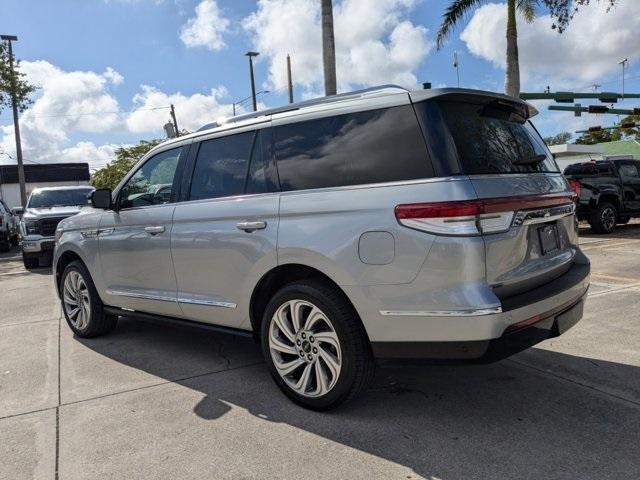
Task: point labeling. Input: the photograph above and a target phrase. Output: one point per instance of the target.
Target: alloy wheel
(75, 297)
(608, 218)
(305, 349)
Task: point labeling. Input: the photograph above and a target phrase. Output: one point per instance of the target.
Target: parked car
(376, 225)
(45, 208)
(8, 227)
(608, 192)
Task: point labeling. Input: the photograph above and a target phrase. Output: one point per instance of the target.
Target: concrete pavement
(151, 401)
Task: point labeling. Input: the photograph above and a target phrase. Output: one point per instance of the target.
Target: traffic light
(598, 109)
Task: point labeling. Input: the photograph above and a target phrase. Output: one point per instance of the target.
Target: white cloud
(192, 112)
(585, 52)
(207, 28)
(375, 43)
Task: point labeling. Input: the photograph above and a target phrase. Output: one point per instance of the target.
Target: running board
(177, 322)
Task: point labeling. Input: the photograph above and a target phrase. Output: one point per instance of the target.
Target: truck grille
(48, 226)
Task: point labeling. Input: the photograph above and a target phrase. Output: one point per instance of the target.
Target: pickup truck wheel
(30, 261)
(81, 304)
(315, 345)
(623, 220)
(603, 219)
(5, 246)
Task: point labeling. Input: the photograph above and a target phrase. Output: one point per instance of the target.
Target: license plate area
(548, 235)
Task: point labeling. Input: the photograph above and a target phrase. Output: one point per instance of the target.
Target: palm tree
(457, 10)
(328, 48)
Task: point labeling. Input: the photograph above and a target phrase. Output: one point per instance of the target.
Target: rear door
(224, 233)
(529, 230)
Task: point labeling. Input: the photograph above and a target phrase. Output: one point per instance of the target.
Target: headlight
(31, 228)
(59, 231)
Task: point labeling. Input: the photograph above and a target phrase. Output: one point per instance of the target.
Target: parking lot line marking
(606, 276)
(606, 245)
(615, 290)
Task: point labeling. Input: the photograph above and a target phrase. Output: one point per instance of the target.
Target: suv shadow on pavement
(527, 417)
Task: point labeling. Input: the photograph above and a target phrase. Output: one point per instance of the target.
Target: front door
(630, 176)
(135, 240)
(224, 234)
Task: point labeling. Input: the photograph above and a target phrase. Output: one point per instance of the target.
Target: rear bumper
(549, 325)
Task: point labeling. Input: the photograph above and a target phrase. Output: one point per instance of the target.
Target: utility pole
(253, 82)
(624, 62)
(16, 123)
(175, 122)
(328, 48)
(289, 81)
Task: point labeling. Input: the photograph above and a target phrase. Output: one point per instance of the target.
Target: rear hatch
(525, 210)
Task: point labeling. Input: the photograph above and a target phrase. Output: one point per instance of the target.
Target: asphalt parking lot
(153, 401)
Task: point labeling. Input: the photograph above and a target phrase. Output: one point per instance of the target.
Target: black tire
(99, 322)
(603, 218)
(30, 261)
(5, 246)
(623, 220)
(358, 366)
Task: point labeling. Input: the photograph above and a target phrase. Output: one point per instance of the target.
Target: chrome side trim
(209, 303)
(146, 296)
(441, 313)
(542, 215)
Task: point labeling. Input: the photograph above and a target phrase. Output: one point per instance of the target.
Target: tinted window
(59, 198)
(221, 166)
(258, 177)
(152, 184)
(360, 148)
(490, 138)
(591, 168)
(628, 170)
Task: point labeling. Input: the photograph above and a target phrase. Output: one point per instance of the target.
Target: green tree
(601, 136)
(13, 81)
(126, 158)
(559, 139)
(561, 10)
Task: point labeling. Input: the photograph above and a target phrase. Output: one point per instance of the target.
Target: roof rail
(382, 89)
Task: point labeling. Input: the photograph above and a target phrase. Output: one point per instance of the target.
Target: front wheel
(315, 345)
(30, 261)
(81, 304)
(603, 219)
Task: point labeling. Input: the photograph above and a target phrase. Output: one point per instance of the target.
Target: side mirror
(101, 198)
(17, 211)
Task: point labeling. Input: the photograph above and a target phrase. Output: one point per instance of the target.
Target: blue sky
(132, 55)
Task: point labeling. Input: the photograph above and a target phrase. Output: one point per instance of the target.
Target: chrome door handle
(251, 226)
(154, 230)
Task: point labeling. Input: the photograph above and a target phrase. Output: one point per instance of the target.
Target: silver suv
(380, 224)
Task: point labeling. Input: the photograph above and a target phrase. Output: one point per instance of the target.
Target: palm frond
(452, 15)
(528, 9)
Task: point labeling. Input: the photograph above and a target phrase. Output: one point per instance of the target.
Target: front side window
(629, 170)
(221, 166)
(360, 148)
(153, 183)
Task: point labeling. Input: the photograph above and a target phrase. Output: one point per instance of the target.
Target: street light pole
(253, 83)
(289, 81)
(16, 123)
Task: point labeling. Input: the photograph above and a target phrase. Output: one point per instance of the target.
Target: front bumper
(38, 244)
(549, 325)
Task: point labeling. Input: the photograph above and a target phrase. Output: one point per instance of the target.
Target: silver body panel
(406, 285)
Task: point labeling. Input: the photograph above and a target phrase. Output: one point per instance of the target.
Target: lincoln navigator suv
(379, 225)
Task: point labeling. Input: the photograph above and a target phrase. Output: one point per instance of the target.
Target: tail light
(575, 186)
(472, 217)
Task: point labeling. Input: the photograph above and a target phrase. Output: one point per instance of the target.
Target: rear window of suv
(489, 139)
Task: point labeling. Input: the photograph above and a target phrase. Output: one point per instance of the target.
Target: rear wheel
(315, 345)
(603, 219)
(30, 261)
(81, 304)
(5, 246)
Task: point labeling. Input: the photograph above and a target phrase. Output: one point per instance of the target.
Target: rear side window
(591, 168)
(628, 170)
(360, 148)
(490, 140)
(221, 166)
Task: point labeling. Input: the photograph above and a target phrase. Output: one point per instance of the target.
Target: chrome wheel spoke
(322, 384)
(295, 310)
(76, 300)
(315, 315)
(302, 384)
(279, 345)
(289, 367)
(332, 363)
(281, 321)
(328, 337)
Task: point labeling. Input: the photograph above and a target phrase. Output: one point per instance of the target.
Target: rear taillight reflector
(472, 217)
(575, 186)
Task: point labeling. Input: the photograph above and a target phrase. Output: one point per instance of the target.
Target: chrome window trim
(441, 313)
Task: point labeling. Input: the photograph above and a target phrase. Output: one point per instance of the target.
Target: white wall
(10, 192)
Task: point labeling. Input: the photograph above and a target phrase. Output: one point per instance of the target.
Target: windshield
(59, 198)
(489, 139)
